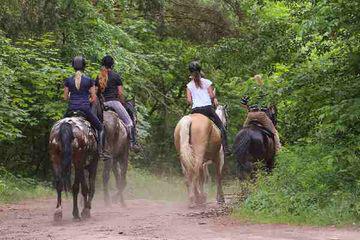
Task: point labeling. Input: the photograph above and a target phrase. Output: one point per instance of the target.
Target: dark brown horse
(72, 142)
(254, 143)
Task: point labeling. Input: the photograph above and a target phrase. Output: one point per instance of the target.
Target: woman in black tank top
(110, 85)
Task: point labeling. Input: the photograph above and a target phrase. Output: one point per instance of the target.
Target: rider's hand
(245, 100)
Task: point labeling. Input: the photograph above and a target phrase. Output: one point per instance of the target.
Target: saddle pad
(76, 122)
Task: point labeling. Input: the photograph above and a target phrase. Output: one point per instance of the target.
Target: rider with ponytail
(79, 90)
(201, 96)
(110, 85)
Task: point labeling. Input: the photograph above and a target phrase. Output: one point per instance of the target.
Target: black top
(79, 98)
(111, 92)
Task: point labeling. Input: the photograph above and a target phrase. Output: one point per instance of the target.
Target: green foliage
(15, 188)
(308, 186)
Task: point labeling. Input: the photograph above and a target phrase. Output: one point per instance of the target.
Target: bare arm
(92, 94)
(188, 97)
(212, 95)
(66, 93)
(121, 94)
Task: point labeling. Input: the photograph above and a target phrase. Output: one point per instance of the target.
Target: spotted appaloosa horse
(72, 142)
(198, 142)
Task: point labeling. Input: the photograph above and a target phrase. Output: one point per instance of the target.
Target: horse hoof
(58, 215)
(122, 203)
(220, 200)
(85, 213)
(192, 205)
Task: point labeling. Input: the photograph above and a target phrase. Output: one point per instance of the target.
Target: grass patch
(15, 188)
(310, 185)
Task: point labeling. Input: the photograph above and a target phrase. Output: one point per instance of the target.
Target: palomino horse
(198, 142)
(254, 143)
(117, 146)
(72, 142)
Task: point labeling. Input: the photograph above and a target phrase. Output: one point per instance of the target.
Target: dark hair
(195, 70)
(107, 61)
(194, 66)
(79, 63)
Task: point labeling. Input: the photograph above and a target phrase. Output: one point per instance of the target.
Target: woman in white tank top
(201, 96)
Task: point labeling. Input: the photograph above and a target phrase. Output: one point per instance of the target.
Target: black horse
(254, 143)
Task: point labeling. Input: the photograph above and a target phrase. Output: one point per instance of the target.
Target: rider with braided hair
(79, 90)
(110, 85)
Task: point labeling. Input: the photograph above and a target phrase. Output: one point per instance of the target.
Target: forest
(308, 51)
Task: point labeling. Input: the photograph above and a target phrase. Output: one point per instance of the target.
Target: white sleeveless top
(200, 96)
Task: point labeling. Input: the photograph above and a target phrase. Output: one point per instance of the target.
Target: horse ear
(272, 109)
(226, 106)
(214, 91)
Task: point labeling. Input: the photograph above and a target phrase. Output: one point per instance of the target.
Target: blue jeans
(90, 116)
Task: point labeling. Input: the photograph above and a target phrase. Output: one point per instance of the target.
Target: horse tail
(186, 151)
(66, 138)
(241, 146)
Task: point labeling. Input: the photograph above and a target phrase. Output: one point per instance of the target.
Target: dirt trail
(144, 219)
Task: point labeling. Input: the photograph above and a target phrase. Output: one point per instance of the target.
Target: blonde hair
(103, 78)
(259, 79)
(77, 78)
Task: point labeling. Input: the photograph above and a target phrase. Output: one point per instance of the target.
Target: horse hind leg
(76, 187)
(117, 173)
(106, 178)
(219, 163)
(121, 181)
(199, 182)
(85, 193)
(59, 187)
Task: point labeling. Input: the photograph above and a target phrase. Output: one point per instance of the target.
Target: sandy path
(144, 219)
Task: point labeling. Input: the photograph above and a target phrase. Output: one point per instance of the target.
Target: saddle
(107, 108)
(72, 117)
(128, 107)
(75, 113)
(263, 129)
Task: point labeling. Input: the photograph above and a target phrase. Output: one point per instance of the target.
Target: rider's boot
(224, 143)
(101, 148)
(133, 140)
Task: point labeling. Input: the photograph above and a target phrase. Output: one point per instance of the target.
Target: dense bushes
(15, 188)
(308, 185)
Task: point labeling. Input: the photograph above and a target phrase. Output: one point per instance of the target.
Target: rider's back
(111, 92)
(79, 97)
(200, 95)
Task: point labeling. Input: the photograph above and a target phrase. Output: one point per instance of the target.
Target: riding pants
(267, 123)
(121, 112)
(209, 112)
(90, 116)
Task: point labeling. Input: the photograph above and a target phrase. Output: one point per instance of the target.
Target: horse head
(271, 112)
(222, 112)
